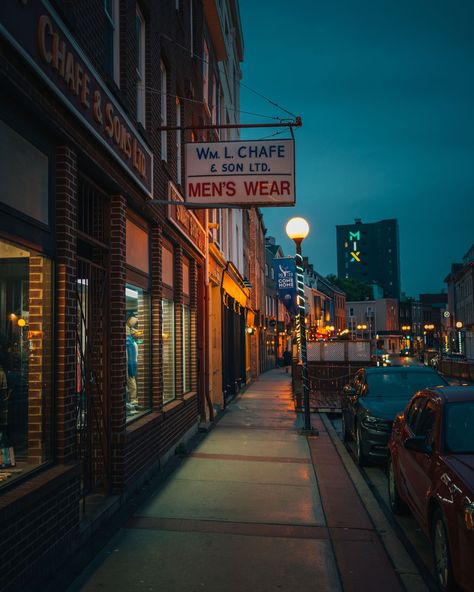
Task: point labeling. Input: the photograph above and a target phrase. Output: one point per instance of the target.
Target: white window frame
(163, 110)
(191, 28)
(114, 20)
(214, 100)
(205, 74)
(179, 163)
(140, 67)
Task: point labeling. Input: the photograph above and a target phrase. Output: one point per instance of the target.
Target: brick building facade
(101, 294)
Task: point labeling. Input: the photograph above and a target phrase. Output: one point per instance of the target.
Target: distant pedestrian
(287, 359)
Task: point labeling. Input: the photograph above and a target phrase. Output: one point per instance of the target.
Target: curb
(403, 564)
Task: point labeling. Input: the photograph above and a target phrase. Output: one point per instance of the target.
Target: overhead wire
(158, 92)
(274, 134)
(256, 92)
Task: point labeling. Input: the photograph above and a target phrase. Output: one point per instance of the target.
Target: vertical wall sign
(354, 237)
(285, 276)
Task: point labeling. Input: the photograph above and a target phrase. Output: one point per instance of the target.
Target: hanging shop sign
(285, 277)
(185, 220)
(252, 173)
(38, 34)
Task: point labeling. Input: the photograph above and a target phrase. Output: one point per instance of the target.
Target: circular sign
(446, 314)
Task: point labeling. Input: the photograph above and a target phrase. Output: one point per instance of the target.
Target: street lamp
(459, 326)
(297, 229)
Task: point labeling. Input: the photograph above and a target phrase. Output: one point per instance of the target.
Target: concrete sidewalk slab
(224, 442)
(275, 473)
(237, 501)
(189, 562)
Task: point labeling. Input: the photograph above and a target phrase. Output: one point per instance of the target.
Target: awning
(233, 289)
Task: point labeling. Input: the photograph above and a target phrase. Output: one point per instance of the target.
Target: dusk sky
(386, 93)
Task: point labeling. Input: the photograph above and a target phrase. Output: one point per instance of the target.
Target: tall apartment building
(369, 252)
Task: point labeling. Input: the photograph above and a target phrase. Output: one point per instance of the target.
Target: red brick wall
(66, 308)
(39, 365)
(39, 522)
(117, 357)
(156, 285)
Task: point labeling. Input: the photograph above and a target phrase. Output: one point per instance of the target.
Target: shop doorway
(92, 413)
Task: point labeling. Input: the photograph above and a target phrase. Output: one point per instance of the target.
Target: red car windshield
(459, 427)
(401, 385)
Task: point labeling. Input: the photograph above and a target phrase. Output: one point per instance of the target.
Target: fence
(326, 383)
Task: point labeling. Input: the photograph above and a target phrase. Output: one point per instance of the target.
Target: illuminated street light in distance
(459, 325)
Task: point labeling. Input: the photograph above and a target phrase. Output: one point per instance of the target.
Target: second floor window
(214, 101)
(163, 111)
(112, 39)
(140, 66)
(178, 142)
(205, 74)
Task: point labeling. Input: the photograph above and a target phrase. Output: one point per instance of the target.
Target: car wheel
(360, 455)
(397, 505)
(346, 435)
(441, 553)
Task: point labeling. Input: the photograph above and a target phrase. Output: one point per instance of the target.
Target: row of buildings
(125, 325)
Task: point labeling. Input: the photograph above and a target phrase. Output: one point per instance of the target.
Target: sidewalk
(255, 507)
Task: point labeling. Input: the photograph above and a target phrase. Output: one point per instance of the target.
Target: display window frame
(18, 225)
(186, 353)
(48, 393)
(139, 404)
(168, 296)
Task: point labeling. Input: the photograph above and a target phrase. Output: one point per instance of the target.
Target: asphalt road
(411, 535)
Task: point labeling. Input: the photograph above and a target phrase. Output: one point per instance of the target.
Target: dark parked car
(372, 400)
(431, 470)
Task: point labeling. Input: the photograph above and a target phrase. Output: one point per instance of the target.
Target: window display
(137, 345)
(167, 308)
(186, 348)
(25, 360)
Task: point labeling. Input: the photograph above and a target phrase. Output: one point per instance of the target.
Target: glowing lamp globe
(297, 229)
(459, 325)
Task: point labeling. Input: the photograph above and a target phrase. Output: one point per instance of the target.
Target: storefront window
(167, 308)
(186, 327)
(137, 338)
(186, 348)
(168, 323)
(25, 361)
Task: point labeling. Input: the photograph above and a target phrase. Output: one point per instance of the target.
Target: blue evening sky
(386, 92)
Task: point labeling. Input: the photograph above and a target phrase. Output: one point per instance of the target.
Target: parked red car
(431, 470)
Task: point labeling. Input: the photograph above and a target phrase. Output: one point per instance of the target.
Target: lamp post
(297, 229)
(459, 326)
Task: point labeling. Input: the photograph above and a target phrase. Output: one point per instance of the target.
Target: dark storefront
(234, 326)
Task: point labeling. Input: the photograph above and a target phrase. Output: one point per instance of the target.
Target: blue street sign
(285, 277)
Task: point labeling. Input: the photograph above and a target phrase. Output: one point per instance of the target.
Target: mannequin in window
(132, 355)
